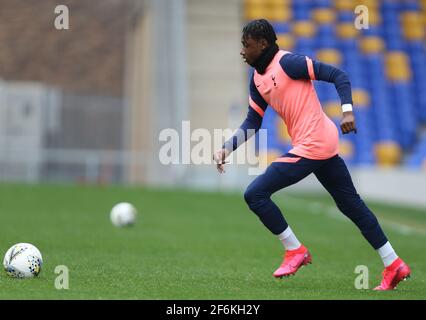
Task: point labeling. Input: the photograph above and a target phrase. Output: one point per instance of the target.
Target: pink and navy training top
(286, 86)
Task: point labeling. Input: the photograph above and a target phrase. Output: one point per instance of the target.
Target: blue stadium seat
(302, 9)
(305, 46)
(326, 36)
(412, 5)
(394, 43)
(322, 4)
(281, 27)
(348, 46)
(390, 5)
(373, 31)
(345, 16)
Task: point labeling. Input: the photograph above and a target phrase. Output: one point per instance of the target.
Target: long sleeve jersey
(287, 87)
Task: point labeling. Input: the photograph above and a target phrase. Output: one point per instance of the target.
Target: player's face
(252, 49)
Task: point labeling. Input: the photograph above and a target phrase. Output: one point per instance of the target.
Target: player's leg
(289, 170)
(278, 175)
(335, 177)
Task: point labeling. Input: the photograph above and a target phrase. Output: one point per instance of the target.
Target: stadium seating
(386, 63)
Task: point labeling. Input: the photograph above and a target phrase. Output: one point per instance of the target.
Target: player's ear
(263, 44)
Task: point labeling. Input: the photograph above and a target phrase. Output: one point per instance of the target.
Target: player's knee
(253, 197)
(249, 195)
(350, 205)
(356, 210)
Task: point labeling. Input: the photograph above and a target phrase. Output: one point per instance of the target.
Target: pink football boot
(293, 260)
(394, 274)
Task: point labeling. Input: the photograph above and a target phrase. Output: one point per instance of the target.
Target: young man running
(283, 80)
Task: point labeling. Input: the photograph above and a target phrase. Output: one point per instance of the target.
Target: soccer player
(283, 81)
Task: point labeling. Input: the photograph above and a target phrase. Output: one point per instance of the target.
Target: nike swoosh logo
(297, 265)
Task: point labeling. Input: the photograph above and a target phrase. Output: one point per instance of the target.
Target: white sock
(387, 254)
(288, 239)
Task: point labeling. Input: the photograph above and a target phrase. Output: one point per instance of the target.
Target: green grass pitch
(196, 245)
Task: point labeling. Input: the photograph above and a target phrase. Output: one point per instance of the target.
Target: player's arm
(301, 67)
(248, 128)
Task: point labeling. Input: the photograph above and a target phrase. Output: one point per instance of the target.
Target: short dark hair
(260, 29)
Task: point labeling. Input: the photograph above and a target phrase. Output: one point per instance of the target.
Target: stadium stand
(386, 63)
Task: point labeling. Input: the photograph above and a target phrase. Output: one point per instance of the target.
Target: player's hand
(219, 157)
(348, 122)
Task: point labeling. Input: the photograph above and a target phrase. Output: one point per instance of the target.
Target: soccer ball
(123, 214)
(23, 260)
